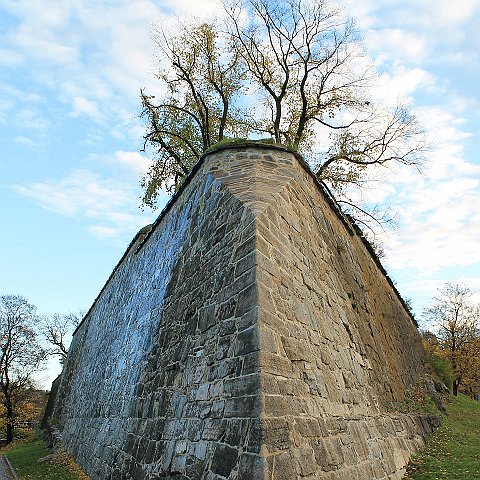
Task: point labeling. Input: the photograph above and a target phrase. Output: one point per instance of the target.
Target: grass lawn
(453, 452)
(24, 455)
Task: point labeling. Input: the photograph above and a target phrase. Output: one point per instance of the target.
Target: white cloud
(446, 12)
(429, 15)
(83, 106)
(22, 107)
(31, 119)
(25, 141)
(103, 232)
(79, 192)
(96, 71)
(195, 8)
(110, 204)
(9, 57)
(122, 218)
(447, 136)
(133, 160)
(396, 44)
(402, 82)
(133, 163)
(15, 95)
(439, 223)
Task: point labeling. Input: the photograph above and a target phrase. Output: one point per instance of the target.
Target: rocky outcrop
(248, 334)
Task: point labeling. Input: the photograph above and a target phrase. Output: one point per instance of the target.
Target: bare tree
(21, 354)
(456, 320)
(308, 65)
(304, 68)
(57, 330)
(300, 54)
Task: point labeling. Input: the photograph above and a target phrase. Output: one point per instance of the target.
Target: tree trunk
(9, 421)
(455, 387)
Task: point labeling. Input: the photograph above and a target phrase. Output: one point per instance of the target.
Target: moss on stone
(245, 142)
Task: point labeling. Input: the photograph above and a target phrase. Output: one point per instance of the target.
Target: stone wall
(248, 334)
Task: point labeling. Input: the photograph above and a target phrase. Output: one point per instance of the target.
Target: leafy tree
(469, 368)
(57, 329)
(302, 66)
(203, 82)
(21, 354)
(29, 407)
(456, 321)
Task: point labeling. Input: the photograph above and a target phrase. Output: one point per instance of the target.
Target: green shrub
(442, 368)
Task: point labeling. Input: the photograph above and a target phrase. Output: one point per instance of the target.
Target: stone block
(236, 431)
(250, 467)
(277, 434)
(242, 407)
(251, 363)
(297, 350)
(247, 341)
(304, 461)
(225, 309)
(242, 386)
(206, 318)
(224, 460)
(245, 264)
(308, 427)
(213, 429)
(247, 300)
(275, 364)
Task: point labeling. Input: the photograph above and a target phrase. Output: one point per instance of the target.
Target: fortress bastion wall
(248, 334)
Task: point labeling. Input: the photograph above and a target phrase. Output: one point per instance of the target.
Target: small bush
(442, 368)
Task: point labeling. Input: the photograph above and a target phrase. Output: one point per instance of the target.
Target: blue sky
(70, 75)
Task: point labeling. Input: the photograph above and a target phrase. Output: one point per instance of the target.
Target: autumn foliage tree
(21, 355)
(469, 368)
(203, 82)
(455, 319)
(291, 71)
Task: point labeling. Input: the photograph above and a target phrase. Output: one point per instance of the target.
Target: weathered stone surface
(224, 459)
(249, 334)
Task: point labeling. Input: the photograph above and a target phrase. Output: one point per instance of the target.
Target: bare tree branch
(303, 67)
(57, 330)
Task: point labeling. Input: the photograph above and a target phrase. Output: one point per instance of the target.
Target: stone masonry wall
(337, 345)
(248, 334)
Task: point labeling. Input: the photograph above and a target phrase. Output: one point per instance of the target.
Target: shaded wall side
(108, 350)
(162, 376)
(198, 405)
(337, 345)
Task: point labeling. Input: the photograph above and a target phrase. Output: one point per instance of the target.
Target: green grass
(453, 451)
(442, 367)
(24, 457)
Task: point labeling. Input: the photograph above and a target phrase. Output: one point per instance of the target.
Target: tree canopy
(455, 319)
(21, 353)
(202, 83)
(293, 71)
